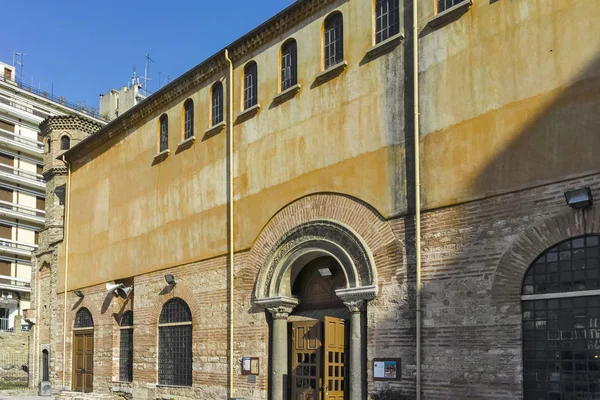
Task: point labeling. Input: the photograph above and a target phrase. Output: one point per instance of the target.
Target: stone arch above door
(515, 262)
(325, 224)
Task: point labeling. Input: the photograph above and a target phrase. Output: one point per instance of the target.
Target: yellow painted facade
(494, 91)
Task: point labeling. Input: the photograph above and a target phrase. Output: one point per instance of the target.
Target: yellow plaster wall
(509, 97)
(129, 216)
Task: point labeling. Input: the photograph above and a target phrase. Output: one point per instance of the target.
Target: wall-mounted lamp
(579, 198)
(325, 272)
(79, 293)
(170, 279)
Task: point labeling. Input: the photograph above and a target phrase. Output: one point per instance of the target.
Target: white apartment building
(22, 186)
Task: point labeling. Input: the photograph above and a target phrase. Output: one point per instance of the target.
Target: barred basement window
(188, 119)
(126, 348)
(561, 310)
(250, 85)
(175, 344)
(83, 319)
(163, 132)
(446, 4)
(387, 19)
(217, 103)
(65, 143)
(333, 40)
(289, 64)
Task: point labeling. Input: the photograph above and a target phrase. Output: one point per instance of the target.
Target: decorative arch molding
(331, 224)
(508, 277)
(308, 241)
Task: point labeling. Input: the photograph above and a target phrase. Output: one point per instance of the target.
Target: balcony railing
(21, 142)
(22, 176)
(15, 247)
(22, 212)
(91, 111)
(14, 284)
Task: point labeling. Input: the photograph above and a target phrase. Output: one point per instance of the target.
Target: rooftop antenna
(19, 62)
(146, 70)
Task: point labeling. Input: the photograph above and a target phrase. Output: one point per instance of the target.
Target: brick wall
(474, 257)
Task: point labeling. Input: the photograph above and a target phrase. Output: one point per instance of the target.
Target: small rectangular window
(164, 133)
(387, 19)
(443, 5)
(217, 103)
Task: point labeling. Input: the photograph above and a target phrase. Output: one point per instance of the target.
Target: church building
(266, 227)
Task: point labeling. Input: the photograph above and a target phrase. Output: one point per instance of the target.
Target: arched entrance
(561, 313)
(314, 283)
(83, 352)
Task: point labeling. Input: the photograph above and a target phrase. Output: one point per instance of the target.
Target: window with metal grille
(289, 64)
(83, 319)
(164, 132)
(65, 143)
(217, 103)
(387, 19)
(188, 119)
(175, 344)
(446, 4)
(126, 348)
(250, 85)
(333, 40)
(561, 310)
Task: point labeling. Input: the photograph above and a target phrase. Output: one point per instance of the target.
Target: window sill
(161, 156)
(332, 72)
(248, 113)
(215, 129)
(158, 385)
(450, 14)
(186, 144)
(385, 46)
(287, 94)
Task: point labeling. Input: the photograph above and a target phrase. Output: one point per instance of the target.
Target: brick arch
(508, 277)
(363, 220)
(182, 291)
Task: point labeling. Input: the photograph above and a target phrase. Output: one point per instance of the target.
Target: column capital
(355, 298)
(280, 306)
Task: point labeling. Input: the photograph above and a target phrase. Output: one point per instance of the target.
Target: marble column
(280, 308)
(355, 369)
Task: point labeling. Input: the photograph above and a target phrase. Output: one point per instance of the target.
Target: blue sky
(86, 47)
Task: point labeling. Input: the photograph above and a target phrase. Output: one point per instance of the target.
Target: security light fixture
(79, 293)
(325, 272)
(170, 279)
(579, 198)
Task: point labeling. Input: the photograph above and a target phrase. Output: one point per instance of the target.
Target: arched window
(387, 19)
(126, 348)
(175, 344)
(561, 312)
(188, 119)
(65, 143)
(333, 40)
(289, 64)
(217, 103)
(49, 145)
(83, 319)
(250, 85)
(163, 127)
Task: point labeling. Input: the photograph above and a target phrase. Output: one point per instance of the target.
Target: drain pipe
(66, 236)
(231, 241)
(417, 159)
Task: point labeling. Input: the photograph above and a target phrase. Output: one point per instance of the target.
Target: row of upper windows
(387, 25)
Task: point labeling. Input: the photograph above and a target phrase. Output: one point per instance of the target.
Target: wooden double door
(83, 361)
(319, 359)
